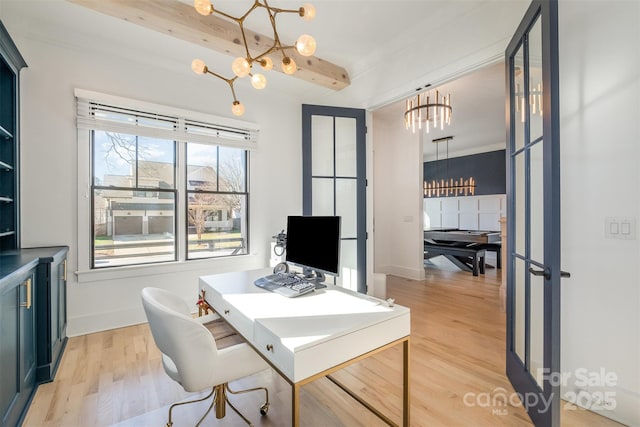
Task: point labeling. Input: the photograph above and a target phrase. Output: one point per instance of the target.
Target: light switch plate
(622, 228)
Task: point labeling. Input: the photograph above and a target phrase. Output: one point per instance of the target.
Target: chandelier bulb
(288, 65)
(237, 108)
(266, 63)
(258, 81)
(198, 66)
(203, 7)
(307, 12)
(241, 67)
(306, 45)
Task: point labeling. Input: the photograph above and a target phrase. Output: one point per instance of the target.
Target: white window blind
(108, 113)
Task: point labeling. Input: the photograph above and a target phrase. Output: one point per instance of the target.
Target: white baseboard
(406, 272)
(626, 403)
(98, 322)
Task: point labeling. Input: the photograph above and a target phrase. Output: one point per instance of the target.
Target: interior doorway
(471, 149)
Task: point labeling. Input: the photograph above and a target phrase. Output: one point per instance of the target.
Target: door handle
(547, 274)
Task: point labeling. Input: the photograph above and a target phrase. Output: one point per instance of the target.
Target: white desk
(313, 335)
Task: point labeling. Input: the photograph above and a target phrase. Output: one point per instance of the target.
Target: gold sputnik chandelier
(425, 110)
(448, 186)
(243, 66)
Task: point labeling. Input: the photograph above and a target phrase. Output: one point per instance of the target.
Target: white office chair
(190, 356)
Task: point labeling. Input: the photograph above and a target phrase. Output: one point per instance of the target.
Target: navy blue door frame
(542, 403)
(308, 111)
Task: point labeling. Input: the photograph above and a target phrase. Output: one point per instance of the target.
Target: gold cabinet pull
(27, 304)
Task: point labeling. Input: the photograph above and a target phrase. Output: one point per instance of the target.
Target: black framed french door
(533, 213)
(334, 181)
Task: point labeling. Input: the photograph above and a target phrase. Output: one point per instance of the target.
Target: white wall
(49, 156)
(600, 135)
(397, 163)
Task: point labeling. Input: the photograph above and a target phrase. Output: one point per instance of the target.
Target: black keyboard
(287, 284)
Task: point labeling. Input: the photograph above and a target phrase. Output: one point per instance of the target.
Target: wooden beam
(181, 20)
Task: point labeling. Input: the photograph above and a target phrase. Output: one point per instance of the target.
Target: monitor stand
(314, 276)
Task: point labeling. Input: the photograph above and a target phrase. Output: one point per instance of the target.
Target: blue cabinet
(18, 346)
(33, 323)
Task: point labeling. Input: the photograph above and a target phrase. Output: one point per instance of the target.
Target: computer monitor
(313, 242)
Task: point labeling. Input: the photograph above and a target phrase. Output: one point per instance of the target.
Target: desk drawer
(271, 347)
(299, 356)
(235, 318)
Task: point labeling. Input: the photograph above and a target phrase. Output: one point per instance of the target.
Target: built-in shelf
(5, 166)
(7, 233)
(5, 133)
(6, 199)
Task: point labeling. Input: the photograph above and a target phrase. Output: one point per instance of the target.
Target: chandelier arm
(269, 51)
(208, 71)
(226, 15)
(230, 82)
(233, 91)
(256, 4)
(244, 41)
(240, 22)
(278, 10)
(272, 19)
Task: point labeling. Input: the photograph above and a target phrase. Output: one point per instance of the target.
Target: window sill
(239, 261)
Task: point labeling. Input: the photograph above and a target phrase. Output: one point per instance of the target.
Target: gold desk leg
(406, 401)
(295, 405)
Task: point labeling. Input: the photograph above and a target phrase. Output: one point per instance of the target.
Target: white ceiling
(366, 37)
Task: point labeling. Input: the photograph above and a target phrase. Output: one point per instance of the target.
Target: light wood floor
(457, 350)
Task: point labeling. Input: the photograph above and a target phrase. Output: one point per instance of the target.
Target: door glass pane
(321, 146)
(322, 196)
(537, 203)
(536, 344)
(348, 265)
(518, 308)
(345, 146)
(346, 192)
(518, 99)
(535, 80)
(520, 198)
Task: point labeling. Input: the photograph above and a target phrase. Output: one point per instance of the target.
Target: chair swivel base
(220, 400)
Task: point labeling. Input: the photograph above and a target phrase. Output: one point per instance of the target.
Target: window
(163, 187)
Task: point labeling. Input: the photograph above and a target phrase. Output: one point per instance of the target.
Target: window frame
(221, 132)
